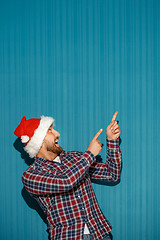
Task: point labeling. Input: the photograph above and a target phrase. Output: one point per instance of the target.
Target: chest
(62, 164)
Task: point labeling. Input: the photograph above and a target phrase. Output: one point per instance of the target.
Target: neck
(47, 155)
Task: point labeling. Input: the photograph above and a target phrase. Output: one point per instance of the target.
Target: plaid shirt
(64, 191)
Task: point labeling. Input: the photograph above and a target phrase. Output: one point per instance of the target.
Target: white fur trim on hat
(34, 145)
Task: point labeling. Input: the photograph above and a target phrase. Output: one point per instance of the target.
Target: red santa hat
(32, 133)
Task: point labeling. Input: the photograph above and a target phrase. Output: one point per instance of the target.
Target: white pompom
(24, 139)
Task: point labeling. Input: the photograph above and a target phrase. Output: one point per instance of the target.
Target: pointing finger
(114, 116)
(97, 134)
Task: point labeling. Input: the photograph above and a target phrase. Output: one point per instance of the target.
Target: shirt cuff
(112, 144)
(90, 156)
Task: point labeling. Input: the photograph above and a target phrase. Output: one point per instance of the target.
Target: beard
(54, 148)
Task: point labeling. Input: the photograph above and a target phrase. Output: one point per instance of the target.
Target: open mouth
(56, 143)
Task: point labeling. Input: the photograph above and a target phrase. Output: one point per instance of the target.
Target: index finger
(114, 116)
(97, 134)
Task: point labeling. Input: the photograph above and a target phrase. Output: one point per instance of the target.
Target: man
(60, 181)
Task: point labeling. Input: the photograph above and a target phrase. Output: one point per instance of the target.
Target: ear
(43, 147)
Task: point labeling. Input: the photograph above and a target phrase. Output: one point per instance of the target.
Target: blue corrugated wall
(80, 61)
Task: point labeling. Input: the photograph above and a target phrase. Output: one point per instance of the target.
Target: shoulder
(37, 165)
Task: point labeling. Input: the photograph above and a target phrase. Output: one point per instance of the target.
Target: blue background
(79, 61)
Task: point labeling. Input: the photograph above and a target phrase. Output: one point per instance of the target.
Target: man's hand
(113, 130)
(95, 145)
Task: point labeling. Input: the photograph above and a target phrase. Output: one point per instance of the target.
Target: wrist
(111, 138)
(91, 156)
(113, 143)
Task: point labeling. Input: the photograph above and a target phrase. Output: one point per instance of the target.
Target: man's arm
(110, 170)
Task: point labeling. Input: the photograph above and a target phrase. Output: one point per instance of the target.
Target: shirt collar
(57, 159)
(43, 160)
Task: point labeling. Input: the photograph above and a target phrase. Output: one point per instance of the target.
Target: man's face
(51, 141)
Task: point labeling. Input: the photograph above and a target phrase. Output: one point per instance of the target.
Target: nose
(57, 134)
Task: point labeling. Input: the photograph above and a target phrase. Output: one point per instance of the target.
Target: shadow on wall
(19, 146)
(30, 201)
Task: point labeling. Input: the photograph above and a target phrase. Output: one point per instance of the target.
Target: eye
(49, 130)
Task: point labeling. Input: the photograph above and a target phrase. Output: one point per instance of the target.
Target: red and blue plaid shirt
(64, 191)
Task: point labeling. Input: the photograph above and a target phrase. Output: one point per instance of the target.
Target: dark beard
(55, 149)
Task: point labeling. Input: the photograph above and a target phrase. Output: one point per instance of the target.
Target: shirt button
(79, 196)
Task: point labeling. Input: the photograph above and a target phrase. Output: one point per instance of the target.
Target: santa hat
(32, 133)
